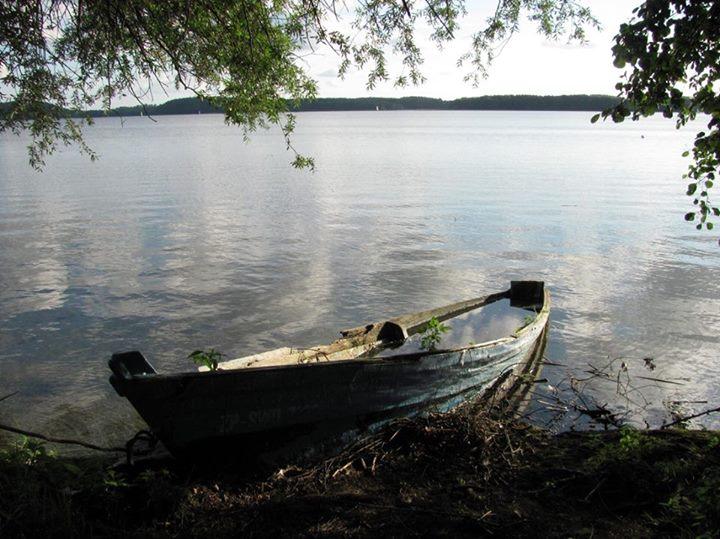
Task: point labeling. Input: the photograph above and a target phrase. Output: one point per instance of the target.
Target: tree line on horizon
(194, 105)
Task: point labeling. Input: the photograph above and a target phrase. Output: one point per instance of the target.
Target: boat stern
(527, 294)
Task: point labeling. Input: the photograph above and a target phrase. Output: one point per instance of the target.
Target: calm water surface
(182, 237)
(491, 322)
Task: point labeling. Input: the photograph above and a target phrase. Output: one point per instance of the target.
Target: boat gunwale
(541, 319)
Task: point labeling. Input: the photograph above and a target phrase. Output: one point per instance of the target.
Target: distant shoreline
(194, 105)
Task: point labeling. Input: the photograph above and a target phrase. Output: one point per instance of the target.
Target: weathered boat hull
(281, 410)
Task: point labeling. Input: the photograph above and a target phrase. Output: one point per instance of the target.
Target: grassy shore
(466, 473)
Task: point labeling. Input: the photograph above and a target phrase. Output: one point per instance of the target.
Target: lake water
(182, 237)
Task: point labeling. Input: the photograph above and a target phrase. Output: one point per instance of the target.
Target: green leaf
(709, 226)
(595, 118)
(207, 359)
(691, 189)
(690, 216)
(432, 334)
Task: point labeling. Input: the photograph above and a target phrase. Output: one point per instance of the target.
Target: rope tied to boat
(142, 436)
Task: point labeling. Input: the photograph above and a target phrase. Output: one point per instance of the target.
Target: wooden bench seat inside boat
(338, 350)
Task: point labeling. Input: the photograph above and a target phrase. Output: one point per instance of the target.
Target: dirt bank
(460, 474)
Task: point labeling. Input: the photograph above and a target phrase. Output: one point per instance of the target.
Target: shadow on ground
(466, 473)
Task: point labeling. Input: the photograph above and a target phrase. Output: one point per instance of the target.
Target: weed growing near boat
(209, 358)
(27, 451)
(529, 319)
(432, 335)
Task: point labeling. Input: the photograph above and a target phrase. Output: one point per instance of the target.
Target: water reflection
(488, 323)
(182, 236)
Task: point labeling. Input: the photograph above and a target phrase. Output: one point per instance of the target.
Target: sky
(529, 64)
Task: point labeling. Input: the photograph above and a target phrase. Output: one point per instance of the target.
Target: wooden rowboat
(290, 401)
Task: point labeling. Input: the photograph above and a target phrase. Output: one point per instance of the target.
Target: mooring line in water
(8, 396)
(51, 439)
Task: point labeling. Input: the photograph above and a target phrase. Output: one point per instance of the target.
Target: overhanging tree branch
(67, 55)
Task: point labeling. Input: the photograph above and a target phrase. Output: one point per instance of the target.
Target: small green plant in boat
(206, 358)
(432, 335)
(529, 319)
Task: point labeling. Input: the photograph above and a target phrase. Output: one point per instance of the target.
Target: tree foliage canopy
(671, 52)
(70, 55)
